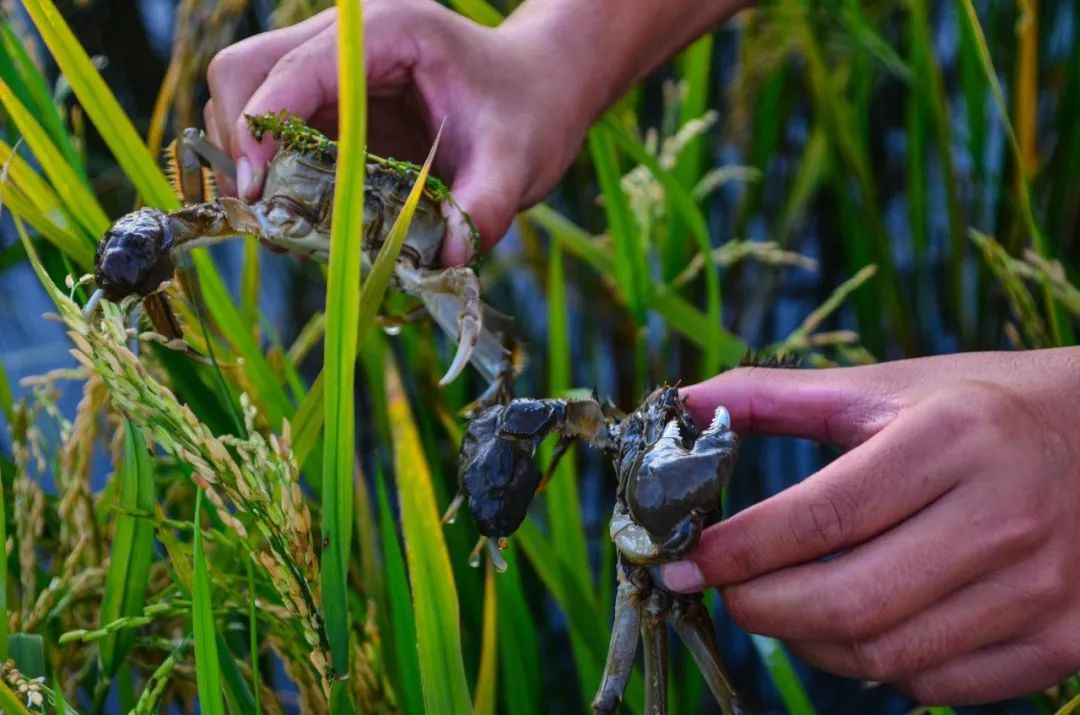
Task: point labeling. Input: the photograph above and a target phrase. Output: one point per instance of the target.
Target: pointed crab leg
(692, 623)
(623, 646)
(654, 639)
(463, 283)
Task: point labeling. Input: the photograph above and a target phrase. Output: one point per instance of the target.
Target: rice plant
(268, 537)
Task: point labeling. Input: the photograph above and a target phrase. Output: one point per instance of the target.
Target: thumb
(488, 188)
(841, 406)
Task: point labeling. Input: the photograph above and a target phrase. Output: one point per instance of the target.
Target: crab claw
(468, 333)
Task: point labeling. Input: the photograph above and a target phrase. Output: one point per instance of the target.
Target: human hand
(956, 508)
(514, 117)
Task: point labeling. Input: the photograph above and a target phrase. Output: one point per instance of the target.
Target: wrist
(596, 49)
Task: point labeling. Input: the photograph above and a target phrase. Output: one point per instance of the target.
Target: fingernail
(682, 576)
(243, 178)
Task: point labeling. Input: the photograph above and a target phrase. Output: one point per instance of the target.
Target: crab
(670, 477)
(138, 253)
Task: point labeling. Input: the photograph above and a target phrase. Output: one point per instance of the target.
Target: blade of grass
(1066, 709)
(236, 691)
(783, 675)
(253, 636)
(85, 208)
(479, 11)
(132, 550)
(140, 167)
(7, 404)
(518, 651)
(3, 572)
(694, 219)
(969, 20)
(101, 106)
(561, 495)
(207, 665)
(678, 313)
(342, 313)
(28, 652)
(631, 271)
(695, 64)
(402, 616)
(38, 94)
(10, 703)
(310, 415)
(486, 678)
(69, 243)
(434, 593)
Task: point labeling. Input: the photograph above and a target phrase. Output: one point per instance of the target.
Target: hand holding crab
(670, 475)
(137, 254)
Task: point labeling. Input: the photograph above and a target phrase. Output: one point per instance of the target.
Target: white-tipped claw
(721, 418)
(470, 331)
(92, 304)
(671, 431)
(474, 555)
(452, 511)
(495, 552)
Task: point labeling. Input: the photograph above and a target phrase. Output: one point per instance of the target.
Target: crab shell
(297, 202)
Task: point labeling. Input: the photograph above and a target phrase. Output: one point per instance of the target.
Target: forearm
(601, 47)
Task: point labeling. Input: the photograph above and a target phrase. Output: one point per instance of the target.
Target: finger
(487, 187)
(236, 72)
(985, 612)
(841, 406)
(876, 586)
(993, 673)
(861, 494)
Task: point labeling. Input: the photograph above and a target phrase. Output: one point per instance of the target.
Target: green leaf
(479, 11)
(85, 208)
(518, 651)
(717, 342)
(101, 106)
(10, 703)
(679, 314)
(631, 270)
(132, 550)
(434, 593)
(28, 652)
(7, 405)
(342, 313)
(207, 665)
(783, 675)
(402, 617)
(487, 677)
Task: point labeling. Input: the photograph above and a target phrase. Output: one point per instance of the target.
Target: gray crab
(137, 253)
(670, 476)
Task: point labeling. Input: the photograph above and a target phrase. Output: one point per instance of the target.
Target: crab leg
(692, 623)
(194, 144)
(654, 639)
(460, 288)
(623, 646)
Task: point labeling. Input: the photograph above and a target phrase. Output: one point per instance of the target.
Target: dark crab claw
(133, 258)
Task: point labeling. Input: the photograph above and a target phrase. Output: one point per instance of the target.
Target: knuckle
(738, 607)
(850, 614)
(926, 691)
(874, 660)
(221, 65)
(825, 521)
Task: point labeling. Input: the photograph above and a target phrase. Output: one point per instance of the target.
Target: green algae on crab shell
(297, 135)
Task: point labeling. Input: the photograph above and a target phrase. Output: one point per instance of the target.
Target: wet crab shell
(133, 257)
(498, 476)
